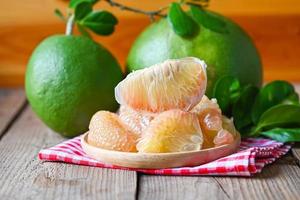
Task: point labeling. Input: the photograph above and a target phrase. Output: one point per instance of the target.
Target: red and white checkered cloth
(253, 155)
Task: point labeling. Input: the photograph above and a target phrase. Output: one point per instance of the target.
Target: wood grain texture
(23, 176)
(178, 187)
(296, 147)
(297, 87)
(39, 12)
(276, 37)
(11, 101)
(277, 181)
(296, 152)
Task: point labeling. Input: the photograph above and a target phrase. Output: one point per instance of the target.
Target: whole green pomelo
(230, 53)
(68, 79)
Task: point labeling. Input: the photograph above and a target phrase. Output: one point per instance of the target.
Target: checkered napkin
(253, 155)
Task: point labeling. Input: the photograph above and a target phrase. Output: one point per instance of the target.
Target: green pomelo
(68, 79)
(231, 53)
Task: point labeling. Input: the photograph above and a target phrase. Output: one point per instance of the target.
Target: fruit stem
(151, 14)
(70, 25)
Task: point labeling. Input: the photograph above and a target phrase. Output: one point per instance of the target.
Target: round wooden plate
(158, 160)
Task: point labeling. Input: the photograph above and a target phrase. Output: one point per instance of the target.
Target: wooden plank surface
(23, 176)
(296, 152)
(296, 147)
(279, 49)
(12, 12)
(274, 27)
(277, 181)
(178, 187)
(11, 101)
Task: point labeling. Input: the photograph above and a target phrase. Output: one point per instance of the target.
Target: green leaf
(82, 10)
(74, 3)
(283, 134)
(241, 110)
(292, 99)
(182, 24)
(83, 31)
(279, 116)
(101, 16)
(59, 14)
(274, 93)
(227, 91)
(100, 22)
(208, 20)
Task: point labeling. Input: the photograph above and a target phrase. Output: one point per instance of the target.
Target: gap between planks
(296, 147)
(23, 176)
(54, 174)
(12, 104)
(277, 181)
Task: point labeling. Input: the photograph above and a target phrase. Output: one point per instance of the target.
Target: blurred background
(274, 26)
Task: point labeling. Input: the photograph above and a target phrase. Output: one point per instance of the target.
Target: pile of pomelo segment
(163, 109)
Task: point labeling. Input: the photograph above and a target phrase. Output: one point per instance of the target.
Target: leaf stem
(70, 25)
(151, 14)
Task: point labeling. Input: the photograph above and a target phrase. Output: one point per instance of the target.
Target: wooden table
(23, 176)
(274, 26)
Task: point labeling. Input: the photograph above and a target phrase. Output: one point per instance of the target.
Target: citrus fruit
(178, 83)
(210, 119)
(227, 134)
(137, 121)
(223, 137)
(68, 79)
(230, 53)
(107, 131)
(228, 125)
(172, 131)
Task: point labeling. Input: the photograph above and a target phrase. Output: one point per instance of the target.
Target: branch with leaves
(185, 17)
(82, 14)
(103, 22)
(151, 14)
(159, 12)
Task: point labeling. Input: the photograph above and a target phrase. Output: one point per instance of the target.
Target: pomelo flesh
(177, 83)
(172, 131)
(136, 120)
(107, 131)
(210, 119)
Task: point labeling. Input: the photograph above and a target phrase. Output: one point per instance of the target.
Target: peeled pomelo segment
(228, 125)
(227, 134)
(210, 119)
(136, 120)
(172, 84)
(223, 137)
(107, 131)
(172, 131)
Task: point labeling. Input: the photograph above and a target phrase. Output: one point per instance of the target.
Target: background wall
(273, 24)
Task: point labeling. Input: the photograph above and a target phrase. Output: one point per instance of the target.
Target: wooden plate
(158, 160)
